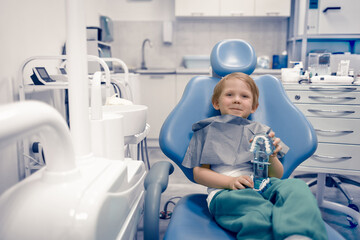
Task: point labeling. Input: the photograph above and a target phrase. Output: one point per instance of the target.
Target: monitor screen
(43, 73)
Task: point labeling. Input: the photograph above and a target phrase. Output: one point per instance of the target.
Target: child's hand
(241, 182)
(276, 142)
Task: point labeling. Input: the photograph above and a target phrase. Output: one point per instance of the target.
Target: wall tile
(195, 37)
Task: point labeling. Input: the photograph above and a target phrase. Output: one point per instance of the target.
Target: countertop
(194, 71)
(207, 71)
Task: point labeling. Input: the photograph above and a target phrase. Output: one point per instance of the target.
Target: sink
(156, 71)
(135, 117)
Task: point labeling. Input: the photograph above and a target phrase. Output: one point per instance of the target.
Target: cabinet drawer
(336, 130)
(329, 111)
(322, 88)
(335, 156)
(324, 97)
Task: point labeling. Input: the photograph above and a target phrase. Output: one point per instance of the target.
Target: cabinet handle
(329, 97)
(235, 14)
(329, 111)
(157, 77)
(331, 8)
(272, 13)
(347, 89)
(332, 158)
(197, 14)
(334, 131)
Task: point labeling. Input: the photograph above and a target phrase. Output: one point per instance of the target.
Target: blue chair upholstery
(191, 218)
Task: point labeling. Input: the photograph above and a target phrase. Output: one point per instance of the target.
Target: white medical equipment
(40, 76)
(292, 74)
(76, 195)
(71, 198)
(94, 197)
(343, 68)
(329, 79)
(319, 63)
(28, 163)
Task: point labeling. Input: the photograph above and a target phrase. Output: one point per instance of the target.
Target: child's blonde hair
(242, 77)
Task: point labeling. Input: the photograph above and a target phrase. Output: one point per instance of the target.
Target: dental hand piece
(262, 147)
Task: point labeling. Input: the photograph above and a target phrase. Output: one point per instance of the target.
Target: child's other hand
(241, 182)
(276, 142)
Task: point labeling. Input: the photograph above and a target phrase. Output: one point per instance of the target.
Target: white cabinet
(237, 7)
(339, 17)
(330, 17)
(196, 8)
(334, 112)
(331, 24)
(157, 91)
(279, 8)
(226, 8)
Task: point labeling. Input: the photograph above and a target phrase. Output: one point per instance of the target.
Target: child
(220, 157)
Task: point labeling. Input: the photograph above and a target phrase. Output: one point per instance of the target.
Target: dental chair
(191, 218)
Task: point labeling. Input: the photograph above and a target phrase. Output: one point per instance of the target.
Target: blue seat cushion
(191, 219)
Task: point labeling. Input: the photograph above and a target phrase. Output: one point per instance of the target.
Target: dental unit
(72, 197)
(88, 189)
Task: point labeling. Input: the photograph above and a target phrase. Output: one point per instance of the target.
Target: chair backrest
(286, 120)
(275, 109)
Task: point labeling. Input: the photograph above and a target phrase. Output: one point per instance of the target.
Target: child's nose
(236, 99)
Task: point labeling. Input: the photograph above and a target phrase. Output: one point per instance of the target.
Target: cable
(33, 159)
(116, 89)
(167, 214)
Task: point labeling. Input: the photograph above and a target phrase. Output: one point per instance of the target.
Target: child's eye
(228, 94)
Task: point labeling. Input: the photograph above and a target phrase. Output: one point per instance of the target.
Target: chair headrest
(232, 55)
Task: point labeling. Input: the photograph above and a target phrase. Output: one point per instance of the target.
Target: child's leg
(243, 211)
(295, 210)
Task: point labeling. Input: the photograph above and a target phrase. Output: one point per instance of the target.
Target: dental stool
(191, 218)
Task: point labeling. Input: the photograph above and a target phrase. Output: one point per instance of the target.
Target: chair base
(353, 215)
(332, 180)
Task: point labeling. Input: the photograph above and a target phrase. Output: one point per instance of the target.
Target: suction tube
(29, 117)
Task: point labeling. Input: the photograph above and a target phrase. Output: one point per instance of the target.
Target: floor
(179, 186)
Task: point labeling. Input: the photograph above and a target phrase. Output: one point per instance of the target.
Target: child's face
(236, 99)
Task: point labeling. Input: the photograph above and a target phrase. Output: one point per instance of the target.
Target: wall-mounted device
(40, 76)
(106, 24)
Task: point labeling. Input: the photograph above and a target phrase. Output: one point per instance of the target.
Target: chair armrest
(155, 183)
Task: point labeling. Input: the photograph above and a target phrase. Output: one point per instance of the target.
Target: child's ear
(254, 108)
(216, 105)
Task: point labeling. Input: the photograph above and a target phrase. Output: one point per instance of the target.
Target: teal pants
(286, 208)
